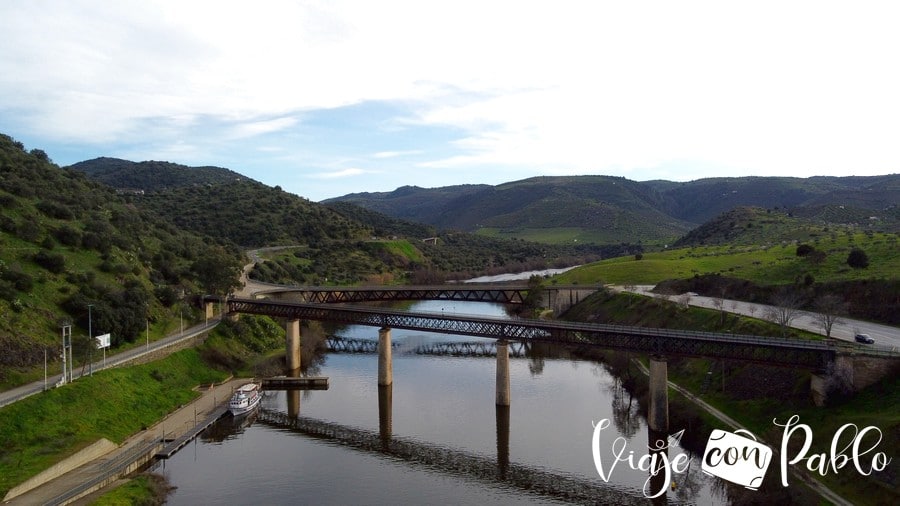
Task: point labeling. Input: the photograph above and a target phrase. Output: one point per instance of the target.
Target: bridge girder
(772, 351)
(331, 296)
(451, 349)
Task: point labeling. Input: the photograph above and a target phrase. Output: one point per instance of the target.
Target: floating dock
(174, 445)
(287, 383)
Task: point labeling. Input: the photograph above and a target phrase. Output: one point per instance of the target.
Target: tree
(718, 302)
(829, 307)
(534, 299)
(784, 309)
(217, 270)
(858, 259)
(804, 249)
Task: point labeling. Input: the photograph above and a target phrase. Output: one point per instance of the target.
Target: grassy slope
(38, 431)
(41, 430)
(775, 264)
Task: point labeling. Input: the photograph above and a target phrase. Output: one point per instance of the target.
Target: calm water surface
(435, 437)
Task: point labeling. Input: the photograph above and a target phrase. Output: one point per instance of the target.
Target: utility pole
(90, 342)
(66, 344)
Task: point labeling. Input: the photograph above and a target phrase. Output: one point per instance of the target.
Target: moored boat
(244, 399)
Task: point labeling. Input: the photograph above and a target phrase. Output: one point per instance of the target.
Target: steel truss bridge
(337, 344)
(505, 294)
(815, 355)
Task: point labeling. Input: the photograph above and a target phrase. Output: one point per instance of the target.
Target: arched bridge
(815, 355)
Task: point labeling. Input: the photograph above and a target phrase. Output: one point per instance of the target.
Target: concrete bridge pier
(658, 414)
(292, 339)
(385, 415)
(385, 361)
(502, 441)
(293, 397)
(210, 310)
(503, 395)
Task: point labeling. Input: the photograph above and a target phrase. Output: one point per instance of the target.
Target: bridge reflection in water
(336, 344)
(460, 463)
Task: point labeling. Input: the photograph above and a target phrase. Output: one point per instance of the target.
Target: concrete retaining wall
(92, 452)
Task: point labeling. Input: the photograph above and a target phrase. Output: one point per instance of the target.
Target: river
(434, 437)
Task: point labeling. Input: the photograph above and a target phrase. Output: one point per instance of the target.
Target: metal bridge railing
(778, 351)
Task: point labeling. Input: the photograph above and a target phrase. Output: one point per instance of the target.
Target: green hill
(609, 210)
(68, 243)
(338, 243)
(152, 175)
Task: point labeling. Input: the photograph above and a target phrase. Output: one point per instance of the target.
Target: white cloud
(570, 87)
(395, 154)
(254, 128)
(340, 174)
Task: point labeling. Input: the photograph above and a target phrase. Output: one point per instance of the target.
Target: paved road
(10, 396)
(844, 329)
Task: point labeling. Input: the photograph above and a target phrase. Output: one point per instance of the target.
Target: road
(13, 395)
(845, 328)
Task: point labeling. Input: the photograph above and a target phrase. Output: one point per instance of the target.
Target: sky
(335, 97)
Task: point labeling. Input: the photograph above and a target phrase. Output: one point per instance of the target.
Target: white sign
(102, 341)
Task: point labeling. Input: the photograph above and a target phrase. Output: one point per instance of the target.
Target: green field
(776, 264)
(560, 235)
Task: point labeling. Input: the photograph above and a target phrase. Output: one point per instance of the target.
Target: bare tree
(684, 300)
(784, 309)
(839, 380)
(629, 288)
(829, 308)
(718, 302)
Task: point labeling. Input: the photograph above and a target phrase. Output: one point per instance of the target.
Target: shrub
(858, 259)
(68, 235)
(19, 279)
(804, 249)
(53, 262)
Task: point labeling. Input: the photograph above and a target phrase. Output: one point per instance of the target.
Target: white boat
(244, 399)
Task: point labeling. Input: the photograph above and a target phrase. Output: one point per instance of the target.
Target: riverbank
(817, 486)
(40, 431)
(140, 447)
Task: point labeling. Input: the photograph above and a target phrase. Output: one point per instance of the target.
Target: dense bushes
(96, 250)
(122, 313)
(53, 262)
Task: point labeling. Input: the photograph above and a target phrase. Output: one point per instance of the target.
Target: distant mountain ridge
(616, 207)
(338, 243)
(593, 209)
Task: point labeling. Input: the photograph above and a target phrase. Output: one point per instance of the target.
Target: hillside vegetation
(750, 254)
(71, 248)
(339, 243)
(609, 210)
(152, 175)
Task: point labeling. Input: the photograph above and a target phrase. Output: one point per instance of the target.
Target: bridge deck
(771, 350)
